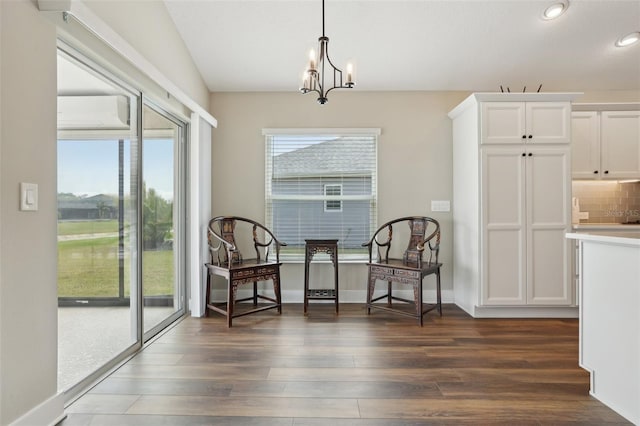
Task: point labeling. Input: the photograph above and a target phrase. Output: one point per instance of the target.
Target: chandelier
(314, 78)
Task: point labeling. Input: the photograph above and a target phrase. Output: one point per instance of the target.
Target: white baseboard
(50, 413)
(525, 312)
(346, 296)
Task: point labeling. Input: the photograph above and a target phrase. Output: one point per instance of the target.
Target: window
(333, 204)
(321, 184)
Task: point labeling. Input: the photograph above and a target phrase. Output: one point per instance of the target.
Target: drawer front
(407, 274)
(382, 270)
(257, 271)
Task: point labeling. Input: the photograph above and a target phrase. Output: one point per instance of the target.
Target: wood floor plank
(351, 369)
(247, 407)
(137, 386)
(537, 409)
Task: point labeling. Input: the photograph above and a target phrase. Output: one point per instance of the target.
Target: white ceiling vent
(93, 112)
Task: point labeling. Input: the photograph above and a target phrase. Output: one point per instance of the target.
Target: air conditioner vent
(93, 112)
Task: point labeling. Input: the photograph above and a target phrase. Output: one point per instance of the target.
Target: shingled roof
(334, 157)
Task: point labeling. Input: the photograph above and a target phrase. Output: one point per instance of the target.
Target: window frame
(327, 208)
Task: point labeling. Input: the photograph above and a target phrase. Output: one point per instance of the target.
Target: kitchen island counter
(609, 296)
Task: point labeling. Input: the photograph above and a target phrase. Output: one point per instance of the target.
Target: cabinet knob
(523, 154)
(595, 172)
(606, 172)
(524, 136)
(530, 136)
(530, 154)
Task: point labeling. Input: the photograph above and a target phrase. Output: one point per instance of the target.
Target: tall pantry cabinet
(512, 204)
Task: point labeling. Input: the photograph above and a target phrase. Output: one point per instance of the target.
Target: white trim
(94, 24)
(523, 311)
(194, 265)
(322, 131)
(199, 212)
(49, 412)
(624, 106)
(328, 198)
(346, 296)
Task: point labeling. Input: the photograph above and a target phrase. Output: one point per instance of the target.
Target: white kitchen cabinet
(585, 145)
(534, 122)
(525, 199)
(605, 144)
(511, 210)
(620, 144)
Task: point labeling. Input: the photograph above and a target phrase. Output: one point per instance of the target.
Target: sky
(90, 167)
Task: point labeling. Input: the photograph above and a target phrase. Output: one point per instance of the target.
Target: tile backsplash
(608, 201)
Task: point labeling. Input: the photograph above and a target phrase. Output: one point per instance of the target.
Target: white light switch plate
(28, 197)
(440, 205)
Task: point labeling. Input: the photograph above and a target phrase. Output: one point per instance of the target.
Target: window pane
(321, 187)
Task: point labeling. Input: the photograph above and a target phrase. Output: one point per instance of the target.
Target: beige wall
(28, 309)
(28, 249)
(148, 28)
(610, 96)
(414, 159)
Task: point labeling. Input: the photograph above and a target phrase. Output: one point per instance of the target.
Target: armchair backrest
(221, 235)
(424, 234)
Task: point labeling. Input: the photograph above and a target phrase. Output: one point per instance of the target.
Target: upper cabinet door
(620, 144)
(548, 122)
(503, 123)
(526, 122)
(585, 145)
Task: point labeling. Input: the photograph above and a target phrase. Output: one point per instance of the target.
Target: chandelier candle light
(313, 79)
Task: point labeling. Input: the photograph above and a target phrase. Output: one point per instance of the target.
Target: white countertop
(605, 227)
(627, 238)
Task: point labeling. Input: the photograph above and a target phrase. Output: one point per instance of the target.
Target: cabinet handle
(530, 136)
(595, 172)
(606, 172)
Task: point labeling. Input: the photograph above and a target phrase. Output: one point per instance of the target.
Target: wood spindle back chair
(411, 269)
(227, 261)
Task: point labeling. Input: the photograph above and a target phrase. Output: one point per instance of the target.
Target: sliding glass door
(163, 224)
(121, 245)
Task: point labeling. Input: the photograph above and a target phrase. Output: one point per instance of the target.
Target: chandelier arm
(336, 71)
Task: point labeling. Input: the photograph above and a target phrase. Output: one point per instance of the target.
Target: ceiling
(263, 45)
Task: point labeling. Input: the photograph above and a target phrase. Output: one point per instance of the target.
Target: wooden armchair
(227, 261)
(410, 269)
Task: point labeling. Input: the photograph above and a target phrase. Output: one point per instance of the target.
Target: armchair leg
(276, 291)
(230, 302)
(389, 296)
(207, 299)
(371, 286)
(255, 293)
(439, 292)
(417, 295)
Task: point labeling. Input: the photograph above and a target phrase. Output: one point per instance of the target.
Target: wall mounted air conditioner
(93, 112)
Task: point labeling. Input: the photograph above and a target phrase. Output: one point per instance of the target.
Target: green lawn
(89, 267)
(87, 227)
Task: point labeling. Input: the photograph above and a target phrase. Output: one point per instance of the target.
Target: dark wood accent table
(311, 248)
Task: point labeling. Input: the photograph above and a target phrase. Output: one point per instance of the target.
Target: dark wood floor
(351, 370)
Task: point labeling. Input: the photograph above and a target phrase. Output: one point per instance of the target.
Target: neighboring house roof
(335, 157)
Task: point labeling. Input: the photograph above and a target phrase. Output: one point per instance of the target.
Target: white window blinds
(321, 184)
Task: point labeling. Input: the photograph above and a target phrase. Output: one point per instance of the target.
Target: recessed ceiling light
(629, 39)
(555, 10)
